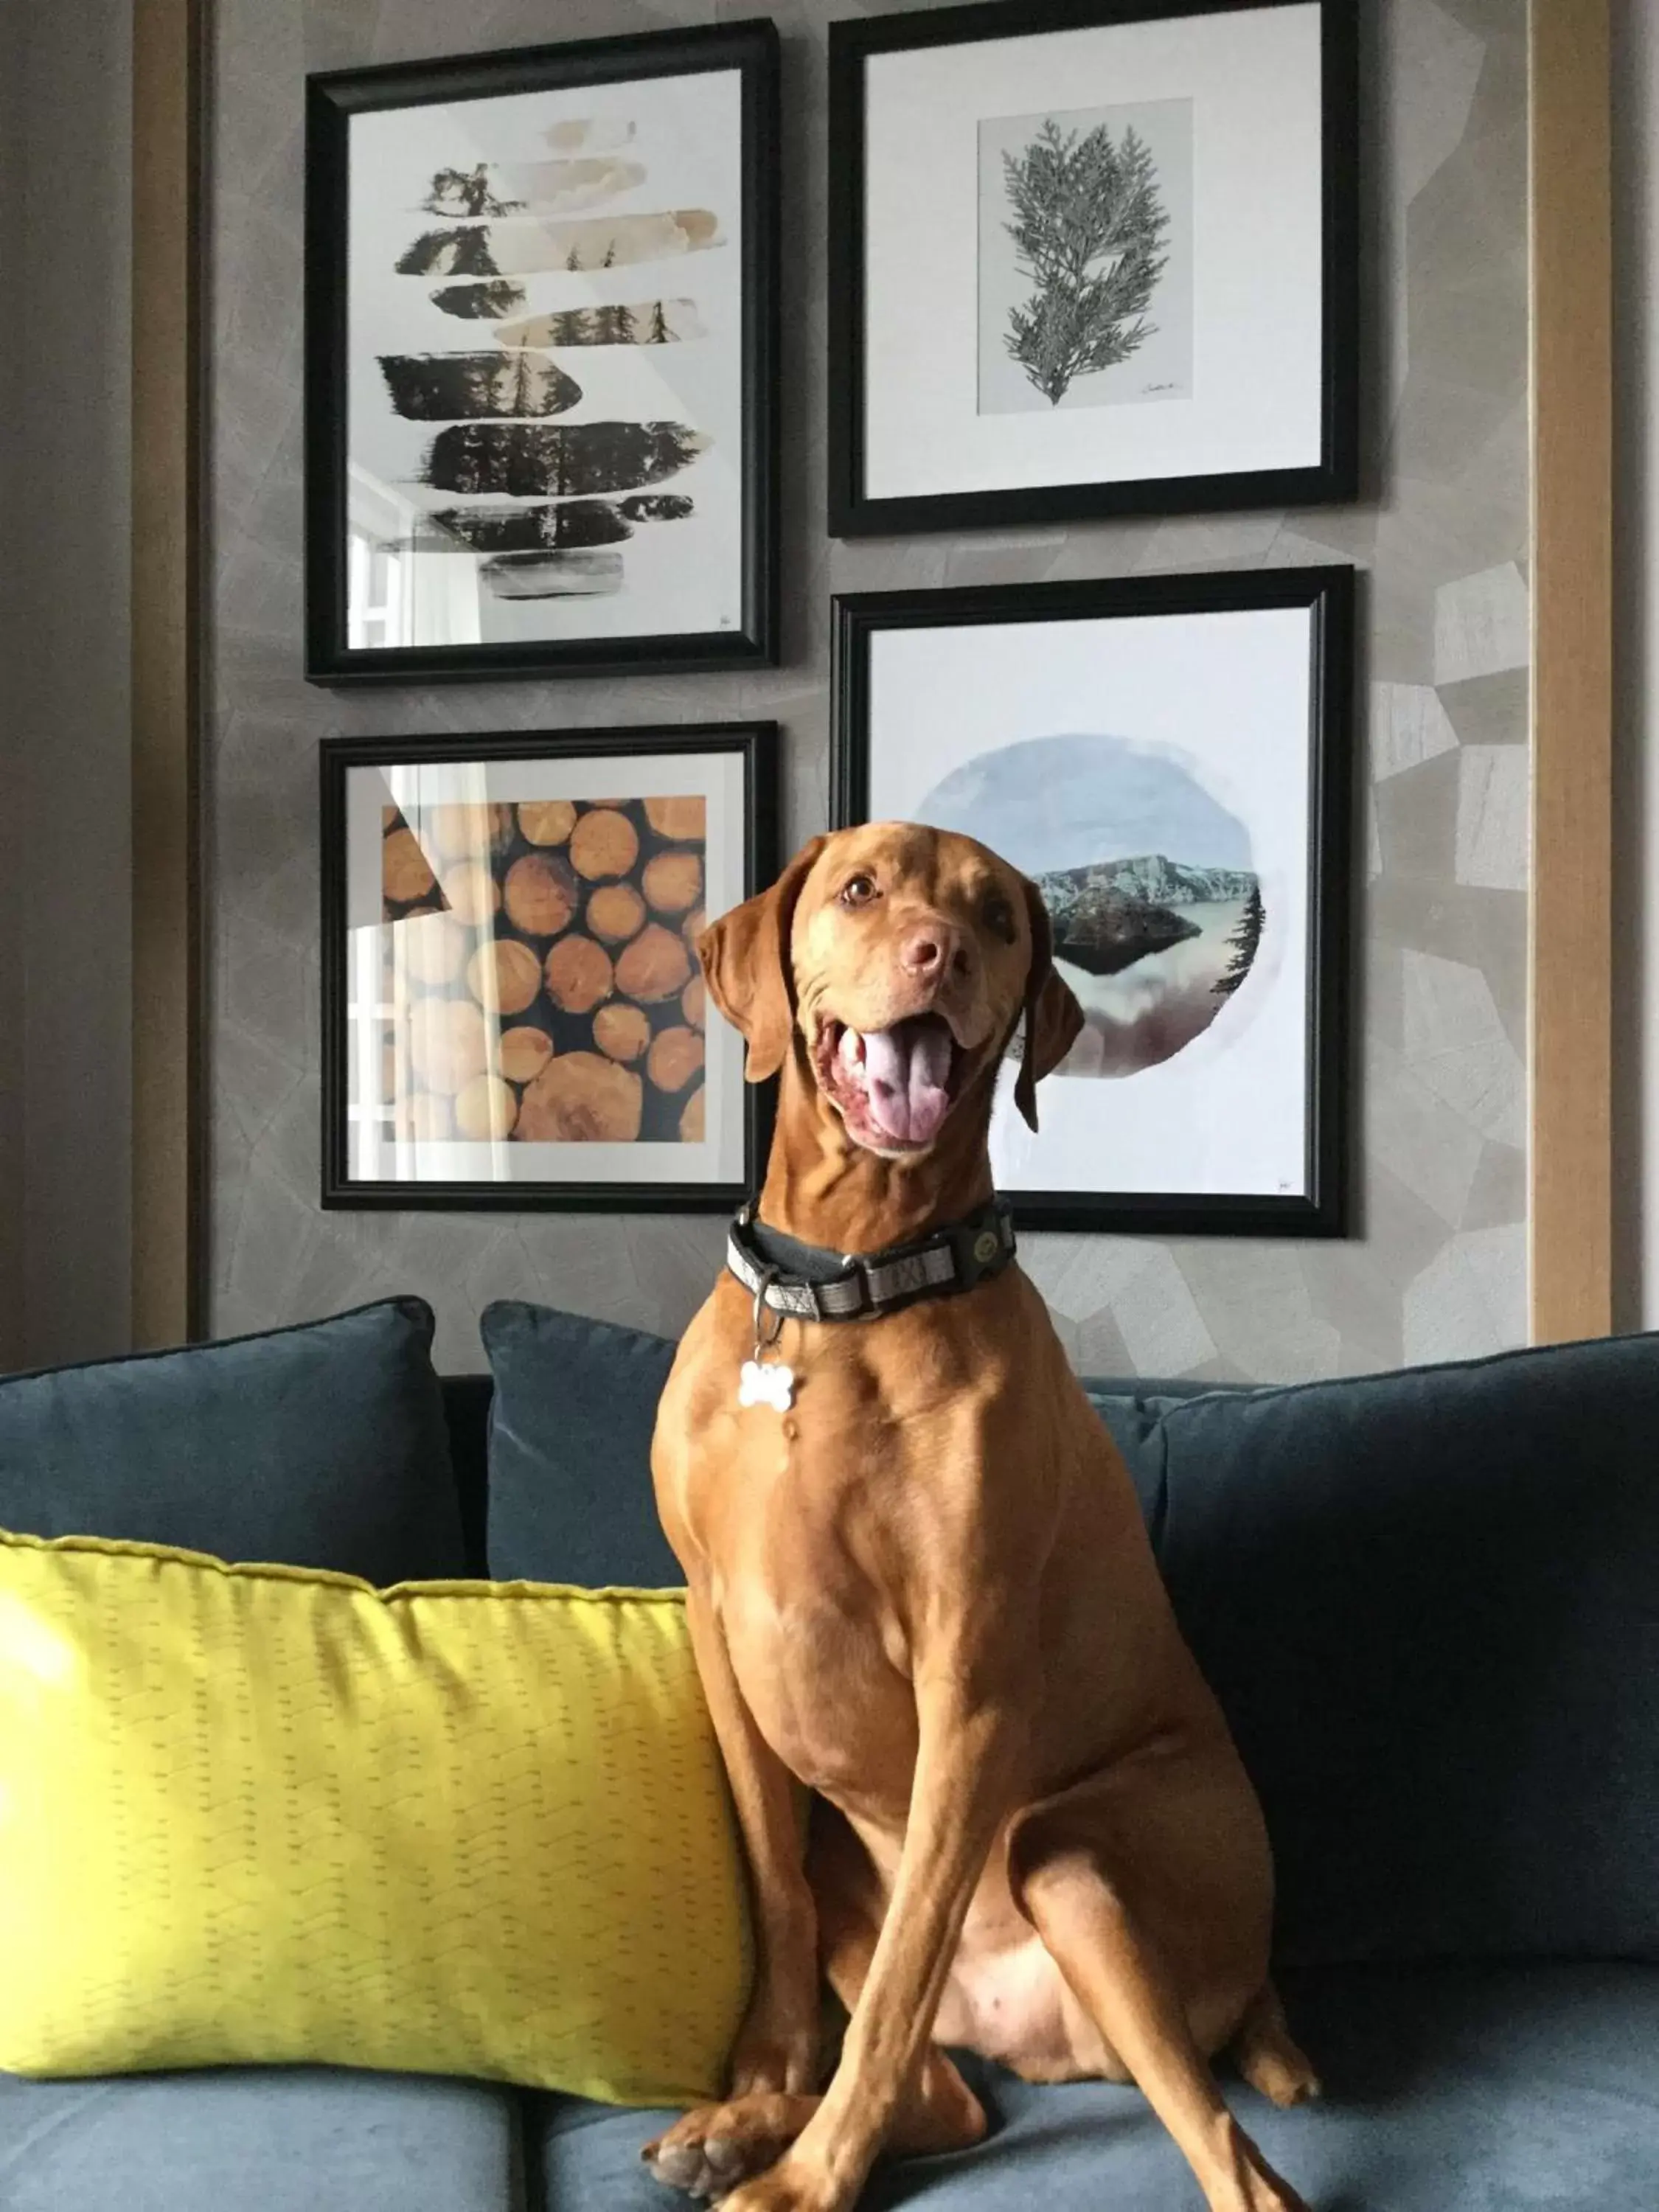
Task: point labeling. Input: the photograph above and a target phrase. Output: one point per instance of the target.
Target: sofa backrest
(1428, 1602)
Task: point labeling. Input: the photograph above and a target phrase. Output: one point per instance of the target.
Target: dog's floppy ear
(1053, 1016)
(746, 957)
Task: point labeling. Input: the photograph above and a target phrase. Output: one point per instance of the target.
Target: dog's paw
(712, 2150)
(1247, 2182)
(788, 2187)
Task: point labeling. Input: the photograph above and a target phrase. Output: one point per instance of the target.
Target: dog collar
(814, 1283)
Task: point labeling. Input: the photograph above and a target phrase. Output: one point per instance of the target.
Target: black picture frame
(756, 743)
(332, 99)
(1335, 478)
(1322, 1209)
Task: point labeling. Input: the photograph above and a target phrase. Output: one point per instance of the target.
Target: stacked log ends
(673, 882)
(467, 832)
(486, 1109)
(431, 948)
(655, 967)
(406, 871)
(470, 891)
(523, 1053)
(448, 1043)
(616, 911)
(579, 974)
(582, 1098)
(504, 976)
(546, 821)
(675, 1056)
(540, 894)
(622, 1031)
(604, 844)
(692, 1119)
(677, 818)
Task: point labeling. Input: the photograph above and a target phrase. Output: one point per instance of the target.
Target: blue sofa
(1430, 1602)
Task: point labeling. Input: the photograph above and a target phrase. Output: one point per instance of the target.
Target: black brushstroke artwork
(561, 548)
(461, 252)
(466, 191)
(482, 302)
(445, 388)
(642, 322)
(539, 529)
(519, 246)
(1089, 223)
(552, 576)
(528, 460)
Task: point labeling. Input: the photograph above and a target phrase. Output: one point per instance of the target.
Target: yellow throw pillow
(254, 1814)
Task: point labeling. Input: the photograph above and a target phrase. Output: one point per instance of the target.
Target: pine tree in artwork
(1245, 937)
(466, 191)
(610, 325)
(1088, 226)
(658, 332)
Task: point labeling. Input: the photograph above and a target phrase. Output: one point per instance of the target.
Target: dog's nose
(933, 952)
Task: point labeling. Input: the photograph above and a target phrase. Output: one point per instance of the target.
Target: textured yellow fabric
(258, 1814)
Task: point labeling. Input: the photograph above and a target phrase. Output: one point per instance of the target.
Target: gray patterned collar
(812, 1283)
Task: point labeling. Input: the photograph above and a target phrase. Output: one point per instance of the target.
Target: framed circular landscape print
(1167, 758)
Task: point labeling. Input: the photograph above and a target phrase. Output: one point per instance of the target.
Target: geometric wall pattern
(1436, 1267)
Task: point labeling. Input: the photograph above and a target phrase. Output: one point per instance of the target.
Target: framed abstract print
(1168, 759)
(512, 1011)
(1092, 257)
(541, 303)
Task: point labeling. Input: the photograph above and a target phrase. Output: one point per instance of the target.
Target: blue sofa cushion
(322, 1446)
(1426, 1601)
(570, 1423)
(1429, 1602)
(291, 2139)
(1447, 2090)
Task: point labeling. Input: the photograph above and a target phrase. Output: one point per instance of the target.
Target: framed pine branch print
(1092, 257)
(541, 307)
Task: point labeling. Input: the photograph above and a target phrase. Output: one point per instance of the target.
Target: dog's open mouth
(894, 1087)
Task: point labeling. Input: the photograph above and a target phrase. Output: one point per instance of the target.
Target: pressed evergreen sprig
(1088, 226)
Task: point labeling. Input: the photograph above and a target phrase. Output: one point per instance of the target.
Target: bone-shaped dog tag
(767, 1382)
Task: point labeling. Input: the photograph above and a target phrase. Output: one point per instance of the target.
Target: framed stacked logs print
(513, 1012)
(541, 302)
(1092, 257)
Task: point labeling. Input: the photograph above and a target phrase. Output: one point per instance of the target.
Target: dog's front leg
(777, 2046)
(971, 1751)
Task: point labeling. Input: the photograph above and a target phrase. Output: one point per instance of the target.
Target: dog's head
(904, 959)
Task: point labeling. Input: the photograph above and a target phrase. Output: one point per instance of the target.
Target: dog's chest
(811, 1531)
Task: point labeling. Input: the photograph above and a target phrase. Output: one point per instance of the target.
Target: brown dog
(921, 1586)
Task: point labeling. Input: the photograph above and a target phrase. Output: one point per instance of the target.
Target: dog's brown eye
(1000, 916)
(857, 890)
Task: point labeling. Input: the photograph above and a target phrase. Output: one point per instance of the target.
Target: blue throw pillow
(320, 1446)
(570, 1423)
(1429, 1602)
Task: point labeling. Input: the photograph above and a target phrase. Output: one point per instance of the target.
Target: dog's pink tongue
(907, 1073)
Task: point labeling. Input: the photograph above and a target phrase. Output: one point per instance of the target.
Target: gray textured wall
(65, 1023)
(1438, 1268)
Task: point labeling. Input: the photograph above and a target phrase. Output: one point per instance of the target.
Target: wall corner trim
(1570, 941)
